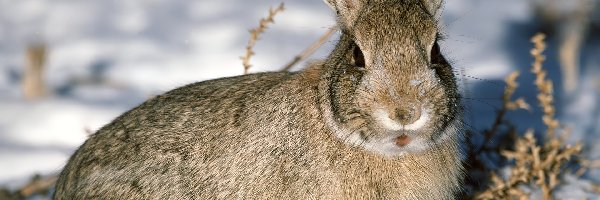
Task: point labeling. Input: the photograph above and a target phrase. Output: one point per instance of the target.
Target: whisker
(483, 102)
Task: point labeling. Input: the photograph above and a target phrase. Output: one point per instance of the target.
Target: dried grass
(310, 49)
(255, 33)
(536, 164)
(33, 77)
(38, 187)
(508, 104)
(572, 27)
(545, 87)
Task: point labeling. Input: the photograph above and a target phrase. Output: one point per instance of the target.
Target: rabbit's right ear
(433, 6)
(347, 10)
(329, 3)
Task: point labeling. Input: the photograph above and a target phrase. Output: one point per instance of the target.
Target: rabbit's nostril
(407, 115)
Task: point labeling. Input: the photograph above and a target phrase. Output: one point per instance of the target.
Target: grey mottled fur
(266, 136)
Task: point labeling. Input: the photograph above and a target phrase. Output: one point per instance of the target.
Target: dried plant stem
(33, 83)
(535, 165)
(569, 52)
(508, 104)
(310, 50)
(545, 87)
(38, 185)
(255, 33)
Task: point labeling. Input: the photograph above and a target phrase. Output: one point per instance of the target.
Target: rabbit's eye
(358, 57)
(436, 55)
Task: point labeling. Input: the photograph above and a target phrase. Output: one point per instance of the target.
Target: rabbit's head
(390, 89)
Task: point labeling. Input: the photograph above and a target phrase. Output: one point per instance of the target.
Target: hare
(379, 118)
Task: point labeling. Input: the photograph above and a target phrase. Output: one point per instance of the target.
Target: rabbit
(379, 118)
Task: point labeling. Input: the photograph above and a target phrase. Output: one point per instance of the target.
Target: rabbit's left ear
(433, 6)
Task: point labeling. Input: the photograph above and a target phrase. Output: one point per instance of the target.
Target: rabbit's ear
(344, 4)
(330, 3)
(433, 6)
(347, 10)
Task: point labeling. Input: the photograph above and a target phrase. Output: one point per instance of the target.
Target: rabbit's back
(190, 142)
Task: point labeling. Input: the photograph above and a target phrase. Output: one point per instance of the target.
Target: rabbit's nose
(403, 118)
(407, 115)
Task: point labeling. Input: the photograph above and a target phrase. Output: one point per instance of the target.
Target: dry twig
(535, 165)
(255, 33)
(33, 83)
(37, 185)
(310, 50)
(545, 87)
(508, 104)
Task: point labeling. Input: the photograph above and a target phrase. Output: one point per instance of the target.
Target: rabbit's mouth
(402, 140)
(395, 145)
(398, 143)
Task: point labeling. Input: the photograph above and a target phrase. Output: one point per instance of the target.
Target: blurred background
(67, 67)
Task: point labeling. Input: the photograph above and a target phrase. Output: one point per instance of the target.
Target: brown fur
(265, 136)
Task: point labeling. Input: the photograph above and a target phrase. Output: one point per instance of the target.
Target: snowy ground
(131, 50)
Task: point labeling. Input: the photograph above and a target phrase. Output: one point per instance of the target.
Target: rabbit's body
(239, 158)
(314, 134)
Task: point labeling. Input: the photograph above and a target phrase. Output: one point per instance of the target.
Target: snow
(106, 57)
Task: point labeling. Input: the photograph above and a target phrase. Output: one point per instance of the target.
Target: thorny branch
(255, 33)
